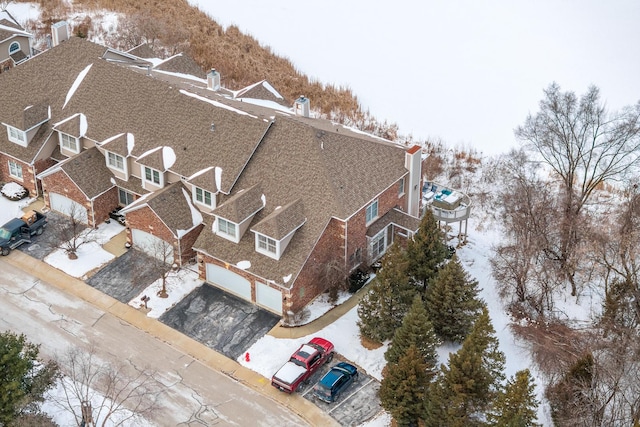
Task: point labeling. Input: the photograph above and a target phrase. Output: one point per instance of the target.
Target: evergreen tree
(389, 297)
(22, 382)
(516, 405)
(403, 388)
(452, 302)
(465, 389)
(570, 398)
(416, 330)
(426, 251)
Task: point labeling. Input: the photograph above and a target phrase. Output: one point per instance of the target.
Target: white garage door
(152, 245)
(269, 297)
(68, 207)
(229, 281)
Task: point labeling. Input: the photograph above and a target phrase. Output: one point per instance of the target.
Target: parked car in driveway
(19, 230)
(302, 364)
(335, 382)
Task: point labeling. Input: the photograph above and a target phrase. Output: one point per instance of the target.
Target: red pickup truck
(302, 364)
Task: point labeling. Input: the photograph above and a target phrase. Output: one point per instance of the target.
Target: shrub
(14, 191)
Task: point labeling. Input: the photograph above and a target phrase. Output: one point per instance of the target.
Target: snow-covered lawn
(179, 284)
(90, 255)
(10, 210)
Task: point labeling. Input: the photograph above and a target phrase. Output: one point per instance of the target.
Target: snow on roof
(244, 265)
(196, 216)
(76, 84)
(216, 103)
(200, 172)
(286, 279)
(181, 75)
(168, 157)
(265, 103)
(218, 177)
(146, 153)
(131, 142)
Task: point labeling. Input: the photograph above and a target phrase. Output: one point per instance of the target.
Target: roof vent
(213, 127)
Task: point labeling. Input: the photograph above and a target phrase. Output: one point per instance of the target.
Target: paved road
(195, 394)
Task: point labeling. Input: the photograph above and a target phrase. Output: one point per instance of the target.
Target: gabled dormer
(70, 132)
(273, 233)
(204, 189)
(234, 216)
(117, 150)
(154, 165)
(24, 125)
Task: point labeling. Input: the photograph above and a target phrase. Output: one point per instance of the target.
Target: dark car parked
(335, 382)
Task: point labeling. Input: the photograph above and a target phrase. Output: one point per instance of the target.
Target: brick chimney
(213, 80)
(301, 106)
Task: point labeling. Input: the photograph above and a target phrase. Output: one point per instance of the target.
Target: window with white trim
(227, 227)
(152, 175)
(203, 197)
(267, 244)
(124, 197)
(378, 245)
(69, 142)
(115, 161)
(401, 187)
(372, 211)
(15, 169)
(14, 47)
(17, 136)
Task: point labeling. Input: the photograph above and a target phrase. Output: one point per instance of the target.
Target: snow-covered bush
(14, 191)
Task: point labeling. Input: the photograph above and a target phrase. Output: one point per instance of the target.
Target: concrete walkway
(319, 323)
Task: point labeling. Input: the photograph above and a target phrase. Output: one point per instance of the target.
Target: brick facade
(309, 283)
(27, 181)
(146, 220)
(357, 248)
(59, 182)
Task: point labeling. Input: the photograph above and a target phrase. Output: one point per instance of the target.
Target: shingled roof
(88, 171)
(242, 205)
(282, 221)
(152, 110)
(172, 205)
(333, 174)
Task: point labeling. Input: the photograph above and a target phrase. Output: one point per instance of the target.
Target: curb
(198, 351)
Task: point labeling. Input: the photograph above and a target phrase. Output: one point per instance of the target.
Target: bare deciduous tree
(100, 394)
(585, 146)
(71, 238)
(162, 253)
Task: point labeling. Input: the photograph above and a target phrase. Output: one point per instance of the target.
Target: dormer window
(14, 47)
(203, 197)
(267, 245)
(69, 143)
(152, 176)
(115, 161)
(372, 212)
(228, 228)
(17, 136)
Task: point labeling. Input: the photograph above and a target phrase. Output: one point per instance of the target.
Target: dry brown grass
(240, 58)
(369, 344)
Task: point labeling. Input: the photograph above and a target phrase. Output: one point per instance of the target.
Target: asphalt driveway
(356, 405)
(219, 320)
(126, 276)
(57, 226)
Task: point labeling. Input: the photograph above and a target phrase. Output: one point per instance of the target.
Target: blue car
(335, 382)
